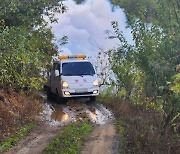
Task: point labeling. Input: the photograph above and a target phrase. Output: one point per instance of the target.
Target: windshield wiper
(68, 74)
(77, 74)
(88, 74)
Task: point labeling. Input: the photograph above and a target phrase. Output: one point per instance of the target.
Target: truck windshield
(77, 68)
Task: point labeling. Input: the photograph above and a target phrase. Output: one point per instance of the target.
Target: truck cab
(72, 76)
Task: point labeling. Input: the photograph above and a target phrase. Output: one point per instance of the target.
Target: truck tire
(49, 93)
(93, 99)
(59, 99)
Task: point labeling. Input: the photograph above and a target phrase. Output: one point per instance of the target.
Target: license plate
(81, 90)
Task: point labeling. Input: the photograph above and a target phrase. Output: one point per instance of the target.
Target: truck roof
(71, 60)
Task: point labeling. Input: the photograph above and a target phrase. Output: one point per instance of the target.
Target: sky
(85, 25)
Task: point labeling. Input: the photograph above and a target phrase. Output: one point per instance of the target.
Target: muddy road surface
(102, 140)
(55, 116)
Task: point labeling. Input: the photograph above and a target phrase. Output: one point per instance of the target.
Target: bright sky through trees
(85, 25)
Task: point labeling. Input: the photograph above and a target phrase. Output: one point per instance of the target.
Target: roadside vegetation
(144, 77)
(17, 110)
(26, 46)
(142, 127)
(25, 53)
(69, 139)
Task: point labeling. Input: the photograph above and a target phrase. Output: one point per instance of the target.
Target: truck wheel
(93, 98)
(59, 99)
(49, 93)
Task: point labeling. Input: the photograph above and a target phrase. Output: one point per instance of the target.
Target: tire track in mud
(55, 116)
(102, 140)
(36, 141)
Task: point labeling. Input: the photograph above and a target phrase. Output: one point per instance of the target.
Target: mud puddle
(74, 111)
(55, 115)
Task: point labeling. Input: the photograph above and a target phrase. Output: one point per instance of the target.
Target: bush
(16, 110)
(24, 55)
(140, 127)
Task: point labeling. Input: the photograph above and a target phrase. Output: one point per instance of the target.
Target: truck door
(55, 79)
(52, 78)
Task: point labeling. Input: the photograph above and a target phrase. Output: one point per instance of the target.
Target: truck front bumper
(80, 92)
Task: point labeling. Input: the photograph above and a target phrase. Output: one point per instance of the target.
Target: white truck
(72, 76)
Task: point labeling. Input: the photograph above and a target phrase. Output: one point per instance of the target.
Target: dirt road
(102, 140)
(36, 141)
(56, 115)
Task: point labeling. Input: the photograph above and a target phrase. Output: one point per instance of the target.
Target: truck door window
(54, 66)
(57, 66)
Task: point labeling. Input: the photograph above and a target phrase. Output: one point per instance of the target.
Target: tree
(22, 63)
(26, 46)
(29, 13)
(153, 58)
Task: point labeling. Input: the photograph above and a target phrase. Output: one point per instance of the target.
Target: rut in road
(36, 141)
(102, 140)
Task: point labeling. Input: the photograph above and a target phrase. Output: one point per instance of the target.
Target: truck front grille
(85, 93)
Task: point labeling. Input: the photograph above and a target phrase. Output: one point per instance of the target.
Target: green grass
(13, 139)
(69, 139)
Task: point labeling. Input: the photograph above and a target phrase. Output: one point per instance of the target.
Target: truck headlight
(65, 84)
(96, 83)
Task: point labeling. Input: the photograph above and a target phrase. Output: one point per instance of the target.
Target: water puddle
(59, 115)
(99, 114)
(55, 115)
(73, 111)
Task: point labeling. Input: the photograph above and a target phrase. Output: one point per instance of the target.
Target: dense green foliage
(28, 13)
(151, 11)
(23, 55)
(69, 139)
(146, 71)
(25, 42)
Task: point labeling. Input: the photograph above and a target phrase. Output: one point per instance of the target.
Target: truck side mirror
(57, 73)
(48, 73)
